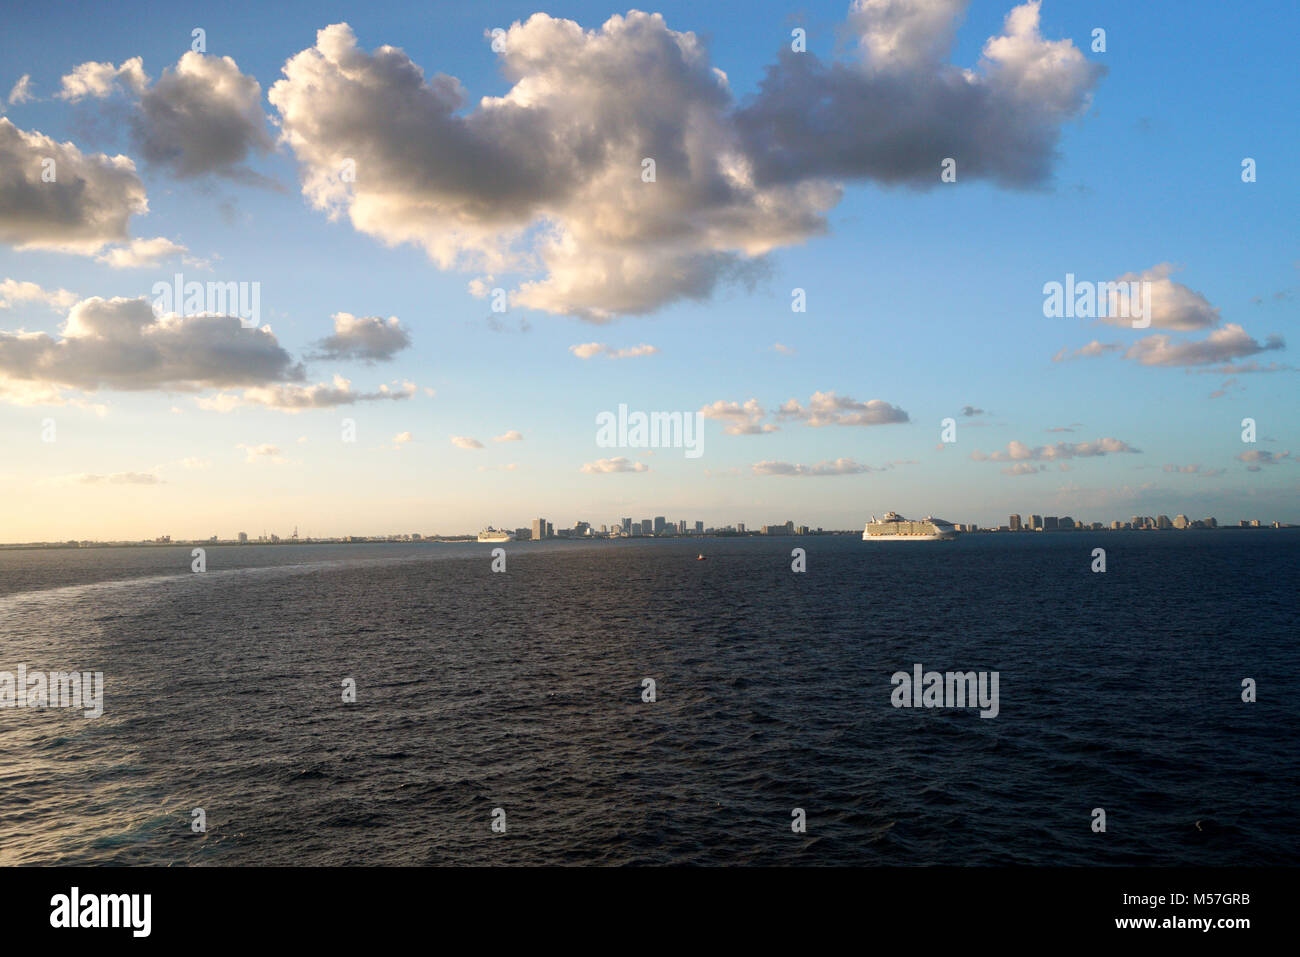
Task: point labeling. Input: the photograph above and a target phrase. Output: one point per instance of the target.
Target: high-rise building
(1014, 523)
(1035, 522)
(647, 527)
(699, 528)
(740, 527)
(659, 525)
(627, 526)
(539, 529)
(550, 530)
(1163, 522)
(1180, 521)
(243, 538)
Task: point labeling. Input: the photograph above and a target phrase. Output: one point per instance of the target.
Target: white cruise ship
(894, 528)
(491, 534)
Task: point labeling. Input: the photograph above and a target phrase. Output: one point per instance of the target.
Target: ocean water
(523, 691)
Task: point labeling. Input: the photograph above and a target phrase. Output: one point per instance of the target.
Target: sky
(462, 260)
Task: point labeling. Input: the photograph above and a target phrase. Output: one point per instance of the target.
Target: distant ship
(491, 534)
(894, 528)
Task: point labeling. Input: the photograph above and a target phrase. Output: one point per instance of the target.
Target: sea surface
(522, 691)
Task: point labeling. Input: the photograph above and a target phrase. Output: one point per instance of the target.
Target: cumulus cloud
(1229, 342)
(827, 408)
(1024, 468)
(783, 349)
(548, 177)
(99, 80)
(1019, 451)
(202, 116)
(84, 201)
(547, 180)
(837, 467)
(514, 435)
(896, 111)
(121, 344)
(13, 292)
(618, 464)
(1173, 305)
(746, 419)
(140, 253)
(363, 337)
(589, 350)
(465, 442)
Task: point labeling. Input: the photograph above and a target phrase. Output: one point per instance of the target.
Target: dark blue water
(522, 691)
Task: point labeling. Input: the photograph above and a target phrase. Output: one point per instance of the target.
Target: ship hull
(941, 537)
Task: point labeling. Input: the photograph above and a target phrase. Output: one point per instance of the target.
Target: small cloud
(514, 435)
(619, 464)
(746, 419)
(465, 442)
(837, 467)
(116, 478)
(13, 292)
(140, 253)
(589, 350)
(827, 408)
(265, 451)
(22, 91)
(784, 350)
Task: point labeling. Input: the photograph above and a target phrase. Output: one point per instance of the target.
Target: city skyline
(843, 325)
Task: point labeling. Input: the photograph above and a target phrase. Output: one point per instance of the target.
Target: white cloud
(121, 344)
(364, 337)
(465, 442)
(140, 253)
(609, 466)
(13, 291)
(514, 435)
(1019, 451)
(827, 408)
(589, 350)
(1221, 345)
(22, 91)
(87, 204)
(746, 419)
(100, 80)
(837, 467)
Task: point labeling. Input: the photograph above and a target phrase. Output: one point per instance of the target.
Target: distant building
(1180, 521)
(243, 538)
(550, 530)
(627, 526)
(740, 527)
(1163, 522)
(1035, 522)
(1051, 523)
(1066, 523)
(647, 526)
(1014, 524)
(523, 534)
(699, 528)
(1211, 522)
(539, 529)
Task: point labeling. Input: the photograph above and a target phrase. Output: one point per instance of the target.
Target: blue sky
(925, 296)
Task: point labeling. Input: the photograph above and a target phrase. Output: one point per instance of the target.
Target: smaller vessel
(699, 558)
(491, 534)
